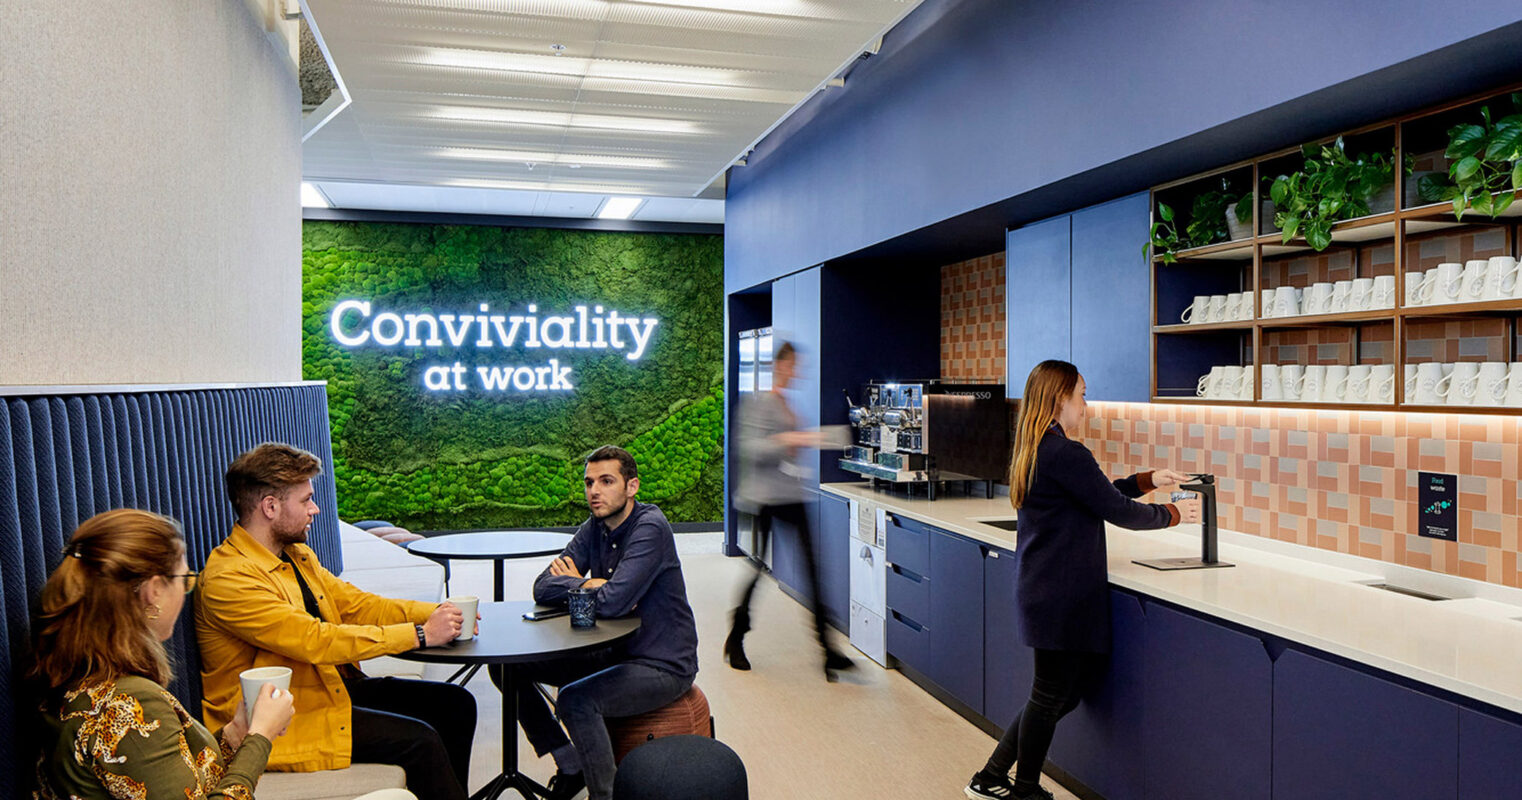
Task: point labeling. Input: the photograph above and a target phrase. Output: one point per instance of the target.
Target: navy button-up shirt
(644, 577)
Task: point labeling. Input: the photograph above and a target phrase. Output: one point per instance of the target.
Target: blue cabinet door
(1342, 733)
(787, 557)
(1112, 305)
(1209, 706)
(1490, 756)
(1007, 666)
(834, 541)
(795, 319)
(1101, 742)
(1038, 320)
(956, 617)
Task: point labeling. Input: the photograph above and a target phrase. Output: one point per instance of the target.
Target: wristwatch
(422, 639)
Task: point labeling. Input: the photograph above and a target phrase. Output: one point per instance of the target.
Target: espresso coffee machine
(926, 432)
(1204, 486)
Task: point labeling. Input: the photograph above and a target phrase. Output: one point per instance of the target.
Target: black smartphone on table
(541, 613)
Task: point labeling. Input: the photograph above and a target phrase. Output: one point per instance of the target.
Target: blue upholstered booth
(68, 454)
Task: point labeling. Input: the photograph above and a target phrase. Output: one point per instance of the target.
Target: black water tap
(1204, 486)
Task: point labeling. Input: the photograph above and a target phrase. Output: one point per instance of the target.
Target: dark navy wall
(1008, 112)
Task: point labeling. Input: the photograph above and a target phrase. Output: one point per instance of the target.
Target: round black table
(495, 545)
(505, 638)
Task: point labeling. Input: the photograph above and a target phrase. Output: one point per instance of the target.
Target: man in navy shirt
(626, 553)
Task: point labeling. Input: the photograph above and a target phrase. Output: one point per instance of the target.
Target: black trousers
(1062, 678)
(424, 727)
(796, 515)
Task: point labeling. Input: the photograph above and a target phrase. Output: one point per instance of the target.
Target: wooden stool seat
(688, 714)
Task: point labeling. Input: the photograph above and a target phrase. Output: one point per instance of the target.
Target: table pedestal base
(511, 782)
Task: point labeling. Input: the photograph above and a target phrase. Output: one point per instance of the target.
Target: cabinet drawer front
(909, 593)
(908, 544)
(908, 641)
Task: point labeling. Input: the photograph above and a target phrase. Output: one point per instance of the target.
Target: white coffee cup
(1273, 389)
(1194, 314)
(1290, 376)
(1501, 279)
(1232, 311)
(1230, 387)
(1494, 377)
(1514, 385)
(467, 603)
(1361, 296)
(1383, 295)
(1414, 282)
(1334, 387)
(1311, 382)
(253, 680)
(1207, 386)
(1287, 301)
(1342, 297)
(1444, 282)
(1217, 308)
(1472, 284)
(1409, 392)
(1266, 309)
(1245, 392)
(1382, 384)
(1318, 299)
(1431, 385)
(1358, 383)
(1464, 380)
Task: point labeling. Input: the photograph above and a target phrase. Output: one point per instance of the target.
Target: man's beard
(287, 536)
(613, 512)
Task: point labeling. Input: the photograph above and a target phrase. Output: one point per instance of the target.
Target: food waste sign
(521, 336)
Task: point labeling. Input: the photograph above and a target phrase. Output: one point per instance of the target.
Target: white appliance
(869, 580)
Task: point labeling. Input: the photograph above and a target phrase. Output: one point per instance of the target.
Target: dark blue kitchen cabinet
(1102, 742)
(1489, 762)
(1342, 733)
(834, 543)
(1111, 305)
(1007, 665)
(956, 617)
(1037, 298)
(908, 589)
(1209, 705)
(787, 557)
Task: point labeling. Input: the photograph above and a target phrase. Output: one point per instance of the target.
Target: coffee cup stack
(1211, 308)
(1491, 384)
(1226, 382)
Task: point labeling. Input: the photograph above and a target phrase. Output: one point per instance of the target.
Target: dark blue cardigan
(1062, 573)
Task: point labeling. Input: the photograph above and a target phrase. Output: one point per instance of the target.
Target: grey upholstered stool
(681, 768)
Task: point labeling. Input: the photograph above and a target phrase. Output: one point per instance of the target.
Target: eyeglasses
(190, 580)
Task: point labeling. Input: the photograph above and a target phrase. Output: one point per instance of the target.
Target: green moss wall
(476, 459)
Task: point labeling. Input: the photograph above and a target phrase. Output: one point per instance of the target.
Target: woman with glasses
(110, 727)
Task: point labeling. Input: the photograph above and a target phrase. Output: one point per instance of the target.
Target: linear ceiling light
(568, 159)
(560, 119)
(312, 197)
(619, 207)
(456, 58)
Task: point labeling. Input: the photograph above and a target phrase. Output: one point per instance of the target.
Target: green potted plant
(1486, 165)
(1330, 186)
(1164, 239)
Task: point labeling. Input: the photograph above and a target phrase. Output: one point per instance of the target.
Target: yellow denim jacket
(249, 613)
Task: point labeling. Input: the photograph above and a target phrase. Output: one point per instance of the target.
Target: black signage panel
(1438, 515)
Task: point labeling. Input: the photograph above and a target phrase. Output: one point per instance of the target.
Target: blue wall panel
(1112, 290)
(1038, 306)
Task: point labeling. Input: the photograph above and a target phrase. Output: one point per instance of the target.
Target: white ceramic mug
(1410, 385)
(1342, 297)
(1472, 282)
(1290, 376)
(1443, 283)
(1287, 301)
(1431, 385)
(1233, 308)
(1501, 280)
(1311, 382)
(251, 682)
(1266, 306)
(1514, 385)
(1382, 384)
(1334, 387)
(1209, 383)
(1195, 313)
(1217, 308)
(467, 604)
(1358, 383)
(1230, 387)
(1384, 292)
(1414, 288)
(1272, 388)
(1361, 296)
(1463, 381)
(1318, 299)
(1245, 392)
(1493, 384)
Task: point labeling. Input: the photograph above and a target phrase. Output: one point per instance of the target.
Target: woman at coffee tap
(110, 728)
(1064, 500)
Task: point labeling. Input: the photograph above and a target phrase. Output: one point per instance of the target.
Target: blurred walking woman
(1061, 589)
(110, 728)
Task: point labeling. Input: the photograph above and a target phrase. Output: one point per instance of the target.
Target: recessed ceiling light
(312, 197)
(619, 207)
(557, 48)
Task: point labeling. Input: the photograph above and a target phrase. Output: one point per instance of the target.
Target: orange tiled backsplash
(1338, 480)
(972, 319)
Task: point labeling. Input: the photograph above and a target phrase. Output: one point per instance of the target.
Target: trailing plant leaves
(1464, 141)
(1506, 143)
(1464, 169)
(1165, 212)
(1516, 175)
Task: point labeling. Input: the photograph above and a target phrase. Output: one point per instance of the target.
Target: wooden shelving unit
(1369, 246)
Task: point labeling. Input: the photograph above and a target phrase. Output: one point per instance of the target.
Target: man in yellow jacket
(264, 600)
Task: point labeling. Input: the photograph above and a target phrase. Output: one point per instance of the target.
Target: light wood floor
(872, 735)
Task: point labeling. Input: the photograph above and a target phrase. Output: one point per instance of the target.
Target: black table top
(491, 544)
(506, 637)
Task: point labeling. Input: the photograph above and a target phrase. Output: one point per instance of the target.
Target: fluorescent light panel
(620, 207)
(312, 197)
(454, 58)
(560, 119)
(563, 159)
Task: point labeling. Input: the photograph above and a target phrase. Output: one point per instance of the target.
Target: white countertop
(1470, 646)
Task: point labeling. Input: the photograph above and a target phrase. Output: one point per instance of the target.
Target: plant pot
(1413, 187)
(1237, 230)
(1383, 200)
(1266, 217)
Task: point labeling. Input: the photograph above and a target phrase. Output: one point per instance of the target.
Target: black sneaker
(1039, 793)
(564, 786)
(985, 788)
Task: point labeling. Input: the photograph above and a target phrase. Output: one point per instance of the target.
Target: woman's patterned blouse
(129, 739)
